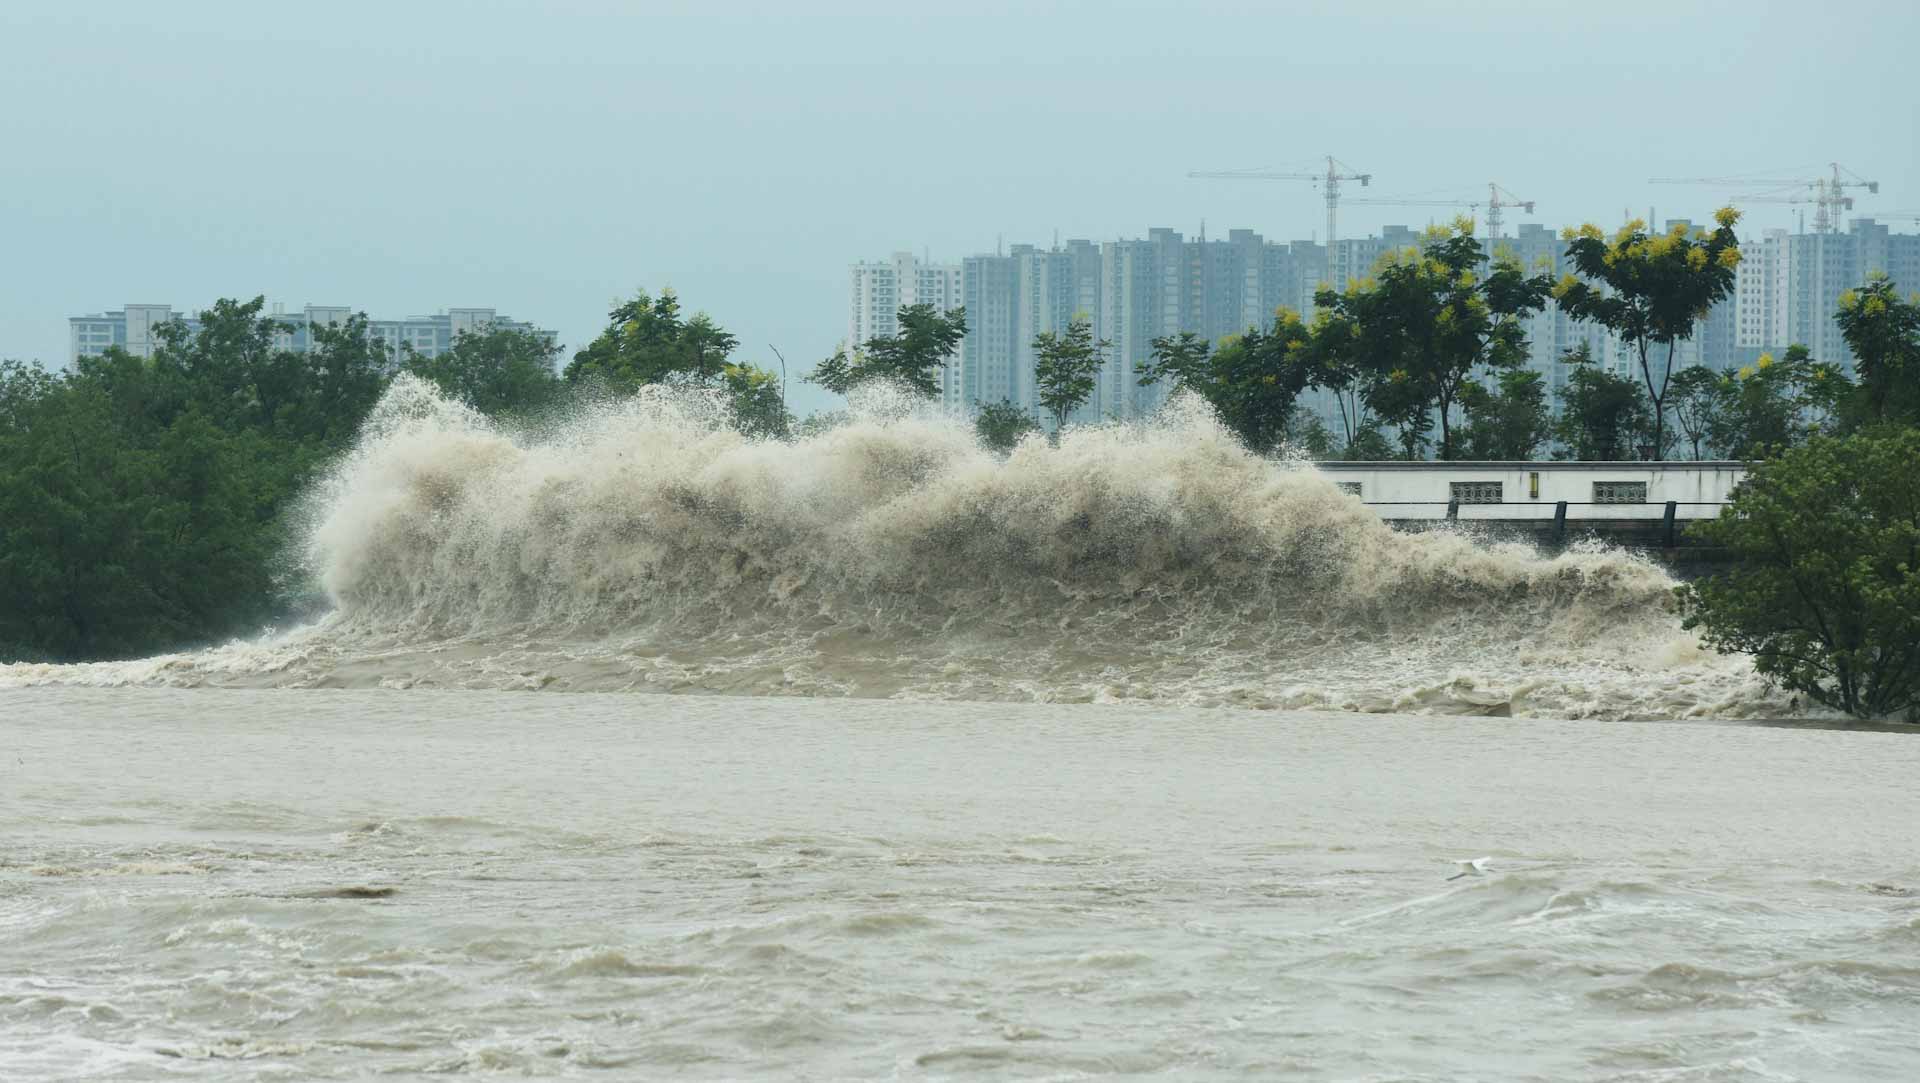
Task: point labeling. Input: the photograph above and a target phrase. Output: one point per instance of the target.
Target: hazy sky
(547, 158)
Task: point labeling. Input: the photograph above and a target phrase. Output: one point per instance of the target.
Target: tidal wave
(643, 545)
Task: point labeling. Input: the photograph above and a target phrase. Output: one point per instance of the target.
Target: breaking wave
(644, 545)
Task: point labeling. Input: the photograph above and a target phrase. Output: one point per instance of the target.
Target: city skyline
(1133, 290)
(554, 163)
(134, 327)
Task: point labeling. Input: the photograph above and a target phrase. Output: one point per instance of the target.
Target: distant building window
(1351, 488)
(1475, 492)
(1619, 492)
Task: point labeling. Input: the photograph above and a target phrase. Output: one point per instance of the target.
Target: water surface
(292, 885)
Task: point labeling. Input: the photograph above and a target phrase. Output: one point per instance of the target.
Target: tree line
(148, 502)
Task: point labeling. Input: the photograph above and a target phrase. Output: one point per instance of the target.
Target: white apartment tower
(881, 288)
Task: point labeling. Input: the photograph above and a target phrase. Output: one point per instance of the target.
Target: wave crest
(643, 543)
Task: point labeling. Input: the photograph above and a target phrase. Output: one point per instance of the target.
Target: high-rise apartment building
(881, 288)
(135, 328)
(1136, 290)
(1789, 285)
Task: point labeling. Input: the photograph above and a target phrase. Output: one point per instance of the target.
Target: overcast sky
(545, 159)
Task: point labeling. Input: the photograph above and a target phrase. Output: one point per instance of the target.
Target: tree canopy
(1651, 290)
(1002, 425)
(1603, 417)
(1883, 332)
(647, 341)
(1426, 321)
(1508, 423)
(1064, 367)
(1252, 380)
(1824, 591)
(499, 371)
(143, 501)
(913, 357)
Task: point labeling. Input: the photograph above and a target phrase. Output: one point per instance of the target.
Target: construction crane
(1497, 197)
(1819, 195)
(1827, 193)
(1337, 171)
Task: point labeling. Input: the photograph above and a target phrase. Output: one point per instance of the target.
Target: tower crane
(1828, 193)
(1497, 197)
(1337, 171)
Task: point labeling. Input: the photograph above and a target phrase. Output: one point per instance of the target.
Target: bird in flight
(1478, 866)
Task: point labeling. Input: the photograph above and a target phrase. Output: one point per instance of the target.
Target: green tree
(1426, 322)
(1651, 290)
(1183, 360)
(1825, 590)
(1063, 368)
(753, 397)
(1309, 436)
(1884, 334)
(1251, 380)
(1337, 368)
(122, 533)
(647, 341)
(913, 357)
(144, 501)
(1508, 424)
(1368, 445)
(1694, 401)
(819, 423)
(1002, 425)
(499, 371)
(1773, 405)
(1603, 417)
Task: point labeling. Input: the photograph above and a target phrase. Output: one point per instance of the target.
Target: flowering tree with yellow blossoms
(1651, 290)
(1884, 333)
(1427, 322)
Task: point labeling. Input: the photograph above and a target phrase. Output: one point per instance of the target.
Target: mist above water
(644, 545)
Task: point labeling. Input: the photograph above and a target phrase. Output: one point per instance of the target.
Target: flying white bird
(1476, 867)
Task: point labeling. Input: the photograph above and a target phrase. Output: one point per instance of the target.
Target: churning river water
(293, 885)
(1137, 756)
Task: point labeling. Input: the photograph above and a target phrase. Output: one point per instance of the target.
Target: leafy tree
(647, 341)
(499, 371)
(1825, 591)
(753, 396)
(130, 524)
(1884, 334)
(1336, 368)
(921, 346)
(1694, 401)
(1309, 436)
(1426, 322)
(1507, 424)
(344, 373)
(1001, 426)
(1603, 417)
(1251, 380)
(1771, 406)
(1651, 290)
(820, 423)
(143, 501)
(1368, 445)
(1183, 360)
(1063, 368)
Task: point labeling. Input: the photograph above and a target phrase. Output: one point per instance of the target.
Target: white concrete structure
(1532, 490)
